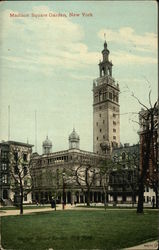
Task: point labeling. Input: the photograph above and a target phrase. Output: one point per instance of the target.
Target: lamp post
(63, 193)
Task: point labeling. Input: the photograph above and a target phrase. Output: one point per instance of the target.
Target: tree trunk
(21, 197)
(88, 197)
(140, 197)
(105, 200)
(21, 203)
(157, 197)
(133, 198)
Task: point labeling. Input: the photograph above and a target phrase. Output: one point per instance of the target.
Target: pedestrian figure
(53, 203)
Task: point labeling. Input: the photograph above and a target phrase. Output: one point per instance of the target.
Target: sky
(47, 65)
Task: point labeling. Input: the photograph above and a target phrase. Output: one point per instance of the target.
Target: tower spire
(105, 43)
(8, 122)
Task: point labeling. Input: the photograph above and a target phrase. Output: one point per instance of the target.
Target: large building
(106, 110)
(62, 174)
(14, 157)
(73, 175)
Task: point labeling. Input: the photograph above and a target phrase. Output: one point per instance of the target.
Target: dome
(47, 142)
(74, 136)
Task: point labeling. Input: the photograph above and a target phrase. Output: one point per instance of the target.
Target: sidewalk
(153, 245)
(28, 211)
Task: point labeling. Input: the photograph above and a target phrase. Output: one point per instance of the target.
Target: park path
(153, 245)
(42, 209)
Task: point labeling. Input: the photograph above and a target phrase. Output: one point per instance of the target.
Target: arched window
(103, 71)
(123, 156)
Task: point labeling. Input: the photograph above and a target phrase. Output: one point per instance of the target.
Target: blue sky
(48, 65)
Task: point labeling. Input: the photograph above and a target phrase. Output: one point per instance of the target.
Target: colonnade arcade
(70, 197)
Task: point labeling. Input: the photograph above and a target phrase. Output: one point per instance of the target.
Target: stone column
(72, 197)
(84, 198)
(79, 197)
(66, 197)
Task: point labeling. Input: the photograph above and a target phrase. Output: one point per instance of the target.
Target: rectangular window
(97, 124)
(24, 157)
(100, 130)
(103, 121)
(4, 166)
(114, 130)
(114, 115)
(5, 179)
(104, 95)
(110, 95)
(97, 138)
(25, 197)
(114, 137)
(103, 136)
(16, 156)
(114, 123)
(99, 115)
(4, 155)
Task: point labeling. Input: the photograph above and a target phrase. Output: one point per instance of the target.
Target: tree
(148, 151)
(105, 168)
(148, 122)
(20, 179)
(85, 175)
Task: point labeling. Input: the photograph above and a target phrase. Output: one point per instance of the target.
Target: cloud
(44, 42)
(131, 48)
(127, 35)
(82, 77)
(123, 57)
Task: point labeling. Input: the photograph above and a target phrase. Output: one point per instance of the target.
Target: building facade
(14, 155)
(123, 181)
(62, 175)
(148, 134)
(106, 109)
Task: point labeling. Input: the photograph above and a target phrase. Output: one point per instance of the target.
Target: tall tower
(106, 110)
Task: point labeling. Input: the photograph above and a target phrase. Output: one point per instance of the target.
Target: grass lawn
(113, 229)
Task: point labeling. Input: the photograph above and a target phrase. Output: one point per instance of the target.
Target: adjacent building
(14, 155)
(148, 134)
